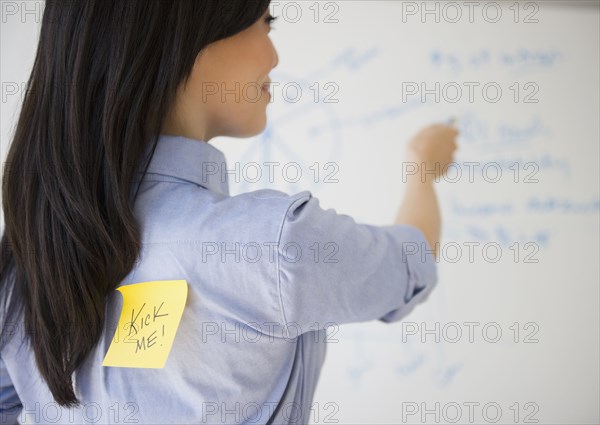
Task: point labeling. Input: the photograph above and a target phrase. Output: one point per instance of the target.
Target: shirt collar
(192, 160)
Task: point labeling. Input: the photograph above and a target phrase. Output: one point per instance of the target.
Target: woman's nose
(275, 57)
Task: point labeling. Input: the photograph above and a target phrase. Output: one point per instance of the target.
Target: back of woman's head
(104, 77)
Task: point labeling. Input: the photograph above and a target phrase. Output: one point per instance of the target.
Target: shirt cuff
(421, 268)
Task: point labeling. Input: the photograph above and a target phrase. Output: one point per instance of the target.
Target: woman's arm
(420, 208)
(428, 155)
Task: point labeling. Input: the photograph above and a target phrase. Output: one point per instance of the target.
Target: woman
(111, 181)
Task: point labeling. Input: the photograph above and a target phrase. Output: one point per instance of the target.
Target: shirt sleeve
(10, 404)
(333, 270)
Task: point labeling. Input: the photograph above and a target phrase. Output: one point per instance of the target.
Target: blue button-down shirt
(267, 274)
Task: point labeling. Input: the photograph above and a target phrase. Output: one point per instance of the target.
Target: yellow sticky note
(149, 320)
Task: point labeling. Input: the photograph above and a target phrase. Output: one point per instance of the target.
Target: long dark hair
(104, 77)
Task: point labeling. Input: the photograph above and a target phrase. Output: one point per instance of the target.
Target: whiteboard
(501, 339)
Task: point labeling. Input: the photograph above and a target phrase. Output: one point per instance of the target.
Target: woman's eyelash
(270, 19)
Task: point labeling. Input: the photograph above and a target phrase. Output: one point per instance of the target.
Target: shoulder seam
(277, 262)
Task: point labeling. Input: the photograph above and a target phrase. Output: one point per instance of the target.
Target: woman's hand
(432, 150)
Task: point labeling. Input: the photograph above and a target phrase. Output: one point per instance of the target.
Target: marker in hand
(452, 121)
